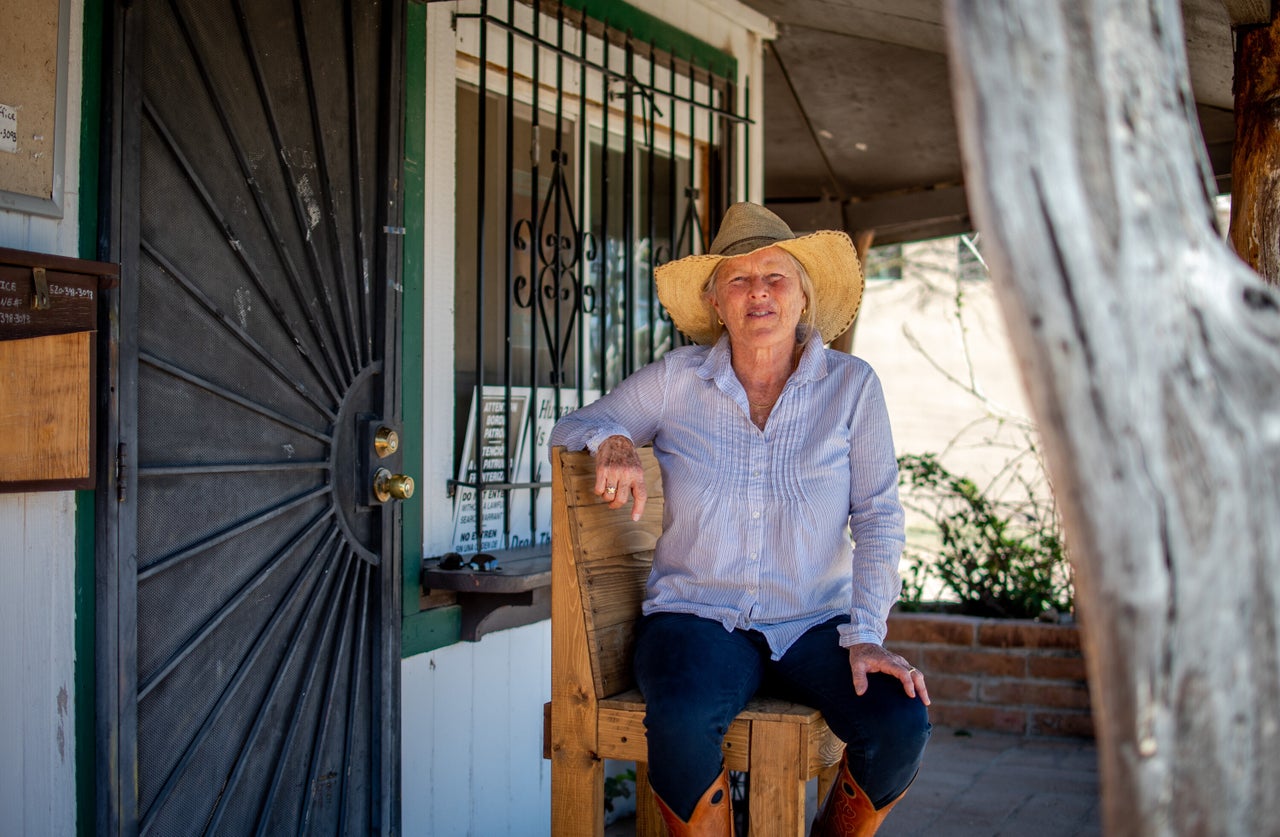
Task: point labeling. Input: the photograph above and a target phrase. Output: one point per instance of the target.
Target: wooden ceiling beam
(904, 216)
(1248, 12)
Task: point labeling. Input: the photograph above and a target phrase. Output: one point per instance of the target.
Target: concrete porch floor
(983, 784)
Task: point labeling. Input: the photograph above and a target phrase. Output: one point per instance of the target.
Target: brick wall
(1005, 675)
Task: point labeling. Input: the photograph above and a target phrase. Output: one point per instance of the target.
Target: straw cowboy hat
(827, 256)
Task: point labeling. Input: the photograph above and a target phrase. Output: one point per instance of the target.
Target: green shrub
(995, 557)
(618, 786)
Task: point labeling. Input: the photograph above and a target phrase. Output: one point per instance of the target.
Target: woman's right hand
(619, 475)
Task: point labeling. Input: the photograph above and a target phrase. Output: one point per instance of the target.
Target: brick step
(1006, 675)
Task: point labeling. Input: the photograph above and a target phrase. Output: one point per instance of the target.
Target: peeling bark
(1151, 356)
(1255, 156)
(1255, 232)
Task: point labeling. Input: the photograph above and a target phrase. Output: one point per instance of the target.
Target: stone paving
(989, 784)
(984, 784)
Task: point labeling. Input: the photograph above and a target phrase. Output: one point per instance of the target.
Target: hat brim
(828, 256)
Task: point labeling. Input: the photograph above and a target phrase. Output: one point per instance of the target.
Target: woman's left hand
(867, 657)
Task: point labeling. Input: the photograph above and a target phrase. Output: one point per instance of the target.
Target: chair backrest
(605, 555)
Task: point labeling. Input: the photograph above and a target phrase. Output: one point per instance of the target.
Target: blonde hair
(808, 317)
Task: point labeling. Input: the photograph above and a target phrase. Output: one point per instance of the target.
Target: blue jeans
(696, 677)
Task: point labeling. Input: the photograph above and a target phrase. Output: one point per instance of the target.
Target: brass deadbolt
(387, 485)
(386, 442)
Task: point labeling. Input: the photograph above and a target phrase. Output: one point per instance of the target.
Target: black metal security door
(254, 652)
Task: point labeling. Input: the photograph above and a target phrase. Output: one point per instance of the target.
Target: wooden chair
(599, 562)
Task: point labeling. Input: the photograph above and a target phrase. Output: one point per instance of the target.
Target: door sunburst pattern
(267, 143)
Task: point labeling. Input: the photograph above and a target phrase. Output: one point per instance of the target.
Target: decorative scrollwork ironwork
(561, 250)
(521, 286)
(589, 252)
(560, 291)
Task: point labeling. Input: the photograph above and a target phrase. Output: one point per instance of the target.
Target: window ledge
(492, 600)
(521, 570)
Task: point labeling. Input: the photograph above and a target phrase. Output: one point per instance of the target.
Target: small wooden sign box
(48, 325)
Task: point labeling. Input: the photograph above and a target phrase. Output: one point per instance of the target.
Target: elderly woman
(774, 450)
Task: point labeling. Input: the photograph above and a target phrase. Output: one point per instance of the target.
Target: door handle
(387, 485)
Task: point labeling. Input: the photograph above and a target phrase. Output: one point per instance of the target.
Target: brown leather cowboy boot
(712, 817)
(847, 811)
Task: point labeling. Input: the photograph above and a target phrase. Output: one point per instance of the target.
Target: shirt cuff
(851, 635)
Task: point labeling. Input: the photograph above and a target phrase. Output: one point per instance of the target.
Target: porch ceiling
(860, 132)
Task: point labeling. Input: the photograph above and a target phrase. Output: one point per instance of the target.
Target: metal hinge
(40, 290)
(120, 472)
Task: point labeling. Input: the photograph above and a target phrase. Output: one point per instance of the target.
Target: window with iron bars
(584, 159)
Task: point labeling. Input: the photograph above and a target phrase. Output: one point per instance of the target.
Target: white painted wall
(37, 573)
(472, 737)
(37, 692)
(472, 712)
(930, 410)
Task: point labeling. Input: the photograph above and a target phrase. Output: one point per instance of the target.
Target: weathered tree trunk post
(1255, 155)
(1151, 355)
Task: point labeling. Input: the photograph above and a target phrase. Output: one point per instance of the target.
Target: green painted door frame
(91, 73)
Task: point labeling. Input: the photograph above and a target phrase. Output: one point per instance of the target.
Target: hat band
(749, 244)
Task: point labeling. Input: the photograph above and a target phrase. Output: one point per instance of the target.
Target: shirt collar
(718, 364)
(813, 361)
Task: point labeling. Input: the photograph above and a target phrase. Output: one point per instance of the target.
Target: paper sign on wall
(8, 129)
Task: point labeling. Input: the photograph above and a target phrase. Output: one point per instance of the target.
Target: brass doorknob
(387, 485)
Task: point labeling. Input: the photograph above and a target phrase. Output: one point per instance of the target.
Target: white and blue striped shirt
(756, 524)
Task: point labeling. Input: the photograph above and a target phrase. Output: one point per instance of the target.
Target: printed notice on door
(535, 529)
(517, 439)
(494, 456)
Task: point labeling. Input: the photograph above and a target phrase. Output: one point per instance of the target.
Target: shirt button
(755, 555)
(751, 590)
(755, 514)
(755, 473)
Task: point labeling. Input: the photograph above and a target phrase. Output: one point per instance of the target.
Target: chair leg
(827, 778)
(648, 817)
(577, 795)
(777, 782)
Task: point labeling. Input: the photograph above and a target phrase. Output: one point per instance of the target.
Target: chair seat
(621, 731)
